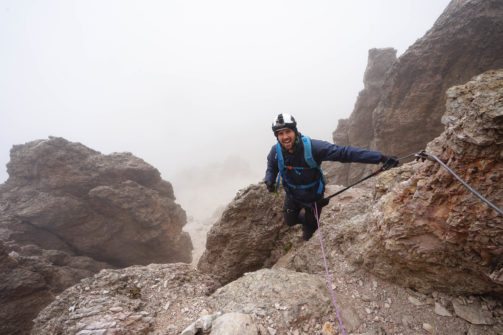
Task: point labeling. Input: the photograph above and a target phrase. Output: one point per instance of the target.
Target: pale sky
(190, 86)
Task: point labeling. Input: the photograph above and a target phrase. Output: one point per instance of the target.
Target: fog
(191, 87)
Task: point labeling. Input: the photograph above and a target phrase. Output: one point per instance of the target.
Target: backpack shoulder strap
(308, 152)
(279, 155)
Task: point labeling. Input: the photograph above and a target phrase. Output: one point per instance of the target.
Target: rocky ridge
(465, 41)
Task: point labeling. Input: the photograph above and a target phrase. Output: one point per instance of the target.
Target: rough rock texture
(129, 301)
(454, 241)
(68, 211)
(357, 130)
(420, 227)
(465, 41)
(247, 236)
(63, 195)
(30, 282)
(167, 299)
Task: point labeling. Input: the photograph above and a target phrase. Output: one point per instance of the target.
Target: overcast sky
(190, 86)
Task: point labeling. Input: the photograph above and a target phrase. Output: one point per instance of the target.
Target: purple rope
(329, 278)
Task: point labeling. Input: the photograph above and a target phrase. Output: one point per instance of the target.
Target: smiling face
(286, 138)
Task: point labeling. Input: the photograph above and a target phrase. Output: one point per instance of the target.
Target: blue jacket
(322, 151)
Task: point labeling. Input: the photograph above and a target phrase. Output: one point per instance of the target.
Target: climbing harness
(329, 278)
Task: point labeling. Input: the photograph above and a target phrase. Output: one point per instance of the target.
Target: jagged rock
(234, 323)
(357, 130)
(280, 298)
(129, 301)
(464, 41)
(473, 313)
(28, 283)
(63, 195)
(429, 232)
(68, 211)
(133, 301)
(421, 228)
(248, 235)
(441, 310)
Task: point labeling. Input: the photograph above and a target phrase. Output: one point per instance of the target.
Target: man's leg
(310, 224)
(291, 212)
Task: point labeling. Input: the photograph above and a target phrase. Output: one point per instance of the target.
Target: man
(297, 159)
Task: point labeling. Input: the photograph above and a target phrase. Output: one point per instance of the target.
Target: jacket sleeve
(272, 167)
(325, 151)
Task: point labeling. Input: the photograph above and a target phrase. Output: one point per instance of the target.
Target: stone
(67, 211)
(246, 237)
(185, 288)
(415, 301)
(429, 328)
(473, 313)
(422, 229)
(441, 310)
(234, 323)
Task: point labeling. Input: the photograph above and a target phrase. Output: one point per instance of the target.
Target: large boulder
(68, 211)
(464, 41)
(65, 196)
(420, 227)
(249, 235)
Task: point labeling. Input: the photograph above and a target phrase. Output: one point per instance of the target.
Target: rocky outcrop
(68, 211)
(30, 281)
(420, 227)
(249, 235)
(174, 298)
(357, 130)
(465, 41)
(65, 196)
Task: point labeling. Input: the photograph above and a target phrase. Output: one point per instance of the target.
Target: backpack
(308, 157)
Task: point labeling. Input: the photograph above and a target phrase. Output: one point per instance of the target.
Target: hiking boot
(308, 231)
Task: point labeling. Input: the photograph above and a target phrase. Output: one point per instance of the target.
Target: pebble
(366, 298)
(428, 327)
(415, 301)
(441, 310)
(116, 309)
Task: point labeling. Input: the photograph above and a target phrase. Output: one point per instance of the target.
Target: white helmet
(283, 121)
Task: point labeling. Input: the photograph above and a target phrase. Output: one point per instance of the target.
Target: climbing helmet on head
(283, 121)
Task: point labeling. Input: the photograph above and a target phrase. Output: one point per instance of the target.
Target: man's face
(286, 138)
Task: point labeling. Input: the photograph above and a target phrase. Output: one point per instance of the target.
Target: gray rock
(473, 313)
(234, 323)
(441, 310)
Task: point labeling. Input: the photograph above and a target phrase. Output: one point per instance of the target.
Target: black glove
(270, 187)
(389, 162)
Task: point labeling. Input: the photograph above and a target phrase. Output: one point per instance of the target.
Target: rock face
(68, 211)
(247, 236)
(357, 130)
(465, 41)
(65, 196)
(28, 283)
(424, 229)
(174, 299)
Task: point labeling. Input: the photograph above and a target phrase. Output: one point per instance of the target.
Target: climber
(297, 159)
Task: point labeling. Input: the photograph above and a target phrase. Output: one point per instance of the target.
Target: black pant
(295, 212)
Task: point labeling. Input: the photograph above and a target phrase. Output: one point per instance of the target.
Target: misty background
(191, 87)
